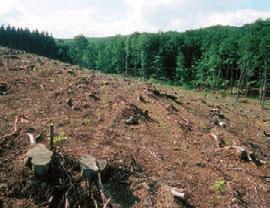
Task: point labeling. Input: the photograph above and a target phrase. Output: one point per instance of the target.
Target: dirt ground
(154, 137)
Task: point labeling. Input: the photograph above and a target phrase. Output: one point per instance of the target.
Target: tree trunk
(227, 78)
(261, 89)
(126, 64)
(242, 75)
(127, 61)
(143, 65)
(231, 80)
(264, 89)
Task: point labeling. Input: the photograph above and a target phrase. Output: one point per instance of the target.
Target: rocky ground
(157, 141)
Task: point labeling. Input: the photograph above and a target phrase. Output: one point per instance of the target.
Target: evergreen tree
(180, 74)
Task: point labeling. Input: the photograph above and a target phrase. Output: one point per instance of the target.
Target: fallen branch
(152, 153)
(181, 196)
(220, 142)
(45, 204)
(19, 118)
(107, 202)
(32, 139)
(154, 92)
(64, 165)
(67, 205)
(101, 189)
(266, 134)
(178, 193)
(94, 200)
(246, 155)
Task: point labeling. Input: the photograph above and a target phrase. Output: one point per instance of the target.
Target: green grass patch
(219, 186)
(59, 138)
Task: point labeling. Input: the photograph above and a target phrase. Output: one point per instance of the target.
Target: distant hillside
(218, 57)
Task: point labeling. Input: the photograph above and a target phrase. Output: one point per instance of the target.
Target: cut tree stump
(94, 96)
(40, 158)
(71, 72)
(181, 196)
(156, 93)
(178, 193)
(70, 102)
(102, 165)
(141, 98)
(246, 155)
(266, 134)
(3, 88)
(132, 120)
(89, 167)
(91, 170)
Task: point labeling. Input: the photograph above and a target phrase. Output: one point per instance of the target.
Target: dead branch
(19, 118)
(100, 186)
(32, 138)
(220, 142)
(178, 193)
(152, 153)
(266, 134)
(94, 200)
(67, 203)
(107, 202)
(156, 93)
(246, 155)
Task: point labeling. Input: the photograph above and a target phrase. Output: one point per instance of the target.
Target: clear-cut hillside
(155, 140)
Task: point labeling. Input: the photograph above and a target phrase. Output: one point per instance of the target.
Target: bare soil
(170, 144)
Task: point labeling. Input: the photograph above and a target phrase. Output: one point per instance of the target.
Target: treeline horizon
(40, 43)
(217, 57)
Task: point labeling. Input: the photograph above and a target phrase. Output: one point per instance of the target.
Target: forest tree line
(217, 57)
(40, 43)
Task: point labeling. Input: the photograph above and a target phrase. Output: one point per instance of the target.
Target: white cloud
(67, 18)
(7, 6)
(66, 22)
(236, 18)
(140, 11)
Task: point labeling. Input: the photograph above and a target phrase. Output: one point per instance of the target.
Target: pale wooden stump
(40, 158)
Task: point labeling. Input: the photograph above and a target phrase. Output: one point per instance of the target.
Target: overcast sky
(67, 18)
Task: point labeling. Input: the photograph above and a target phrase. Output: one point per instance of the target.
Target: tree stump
(40, 158)
(3, 88)
(89, 167)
